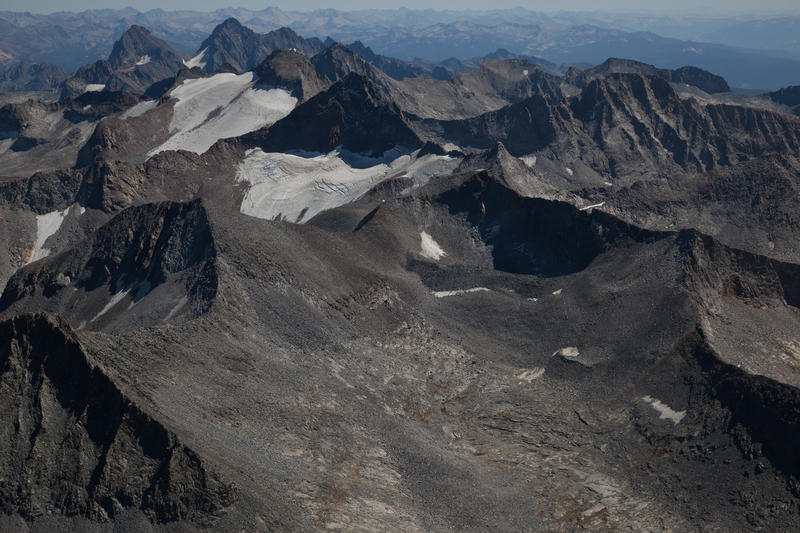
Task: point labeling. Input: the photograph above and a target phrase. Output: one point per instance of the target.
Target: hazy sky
(720, 7)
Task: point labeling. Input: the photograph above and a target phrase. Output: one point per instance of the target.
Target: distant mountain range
(71, 40)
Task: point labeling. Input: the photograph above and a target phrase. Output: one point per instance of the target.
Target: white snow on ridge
(431, 248)
(145, 59)
(588, 207)
(224, 105)
(298, 187)
(115, 299)
(197, 61)
(46, 226)
(95, 87)
(459, 292)
(139, 109)
(664, 410)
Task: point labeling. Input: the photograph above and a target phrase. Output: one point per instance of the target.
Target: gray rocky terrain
(504, 300)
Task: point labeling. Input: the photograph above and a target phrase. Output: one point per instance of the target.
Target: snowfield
(139, 109)
(197, 61)
(47, 225)
(430, 248)
(224, 105)
(296, 187)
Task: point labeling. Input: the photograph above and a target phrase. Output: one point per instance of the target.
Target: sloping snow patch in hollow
(139, 109)
(197, 61)
(459, 292)
(46, 226)
(90, 87)
(224, 105)
(298, 187)
(430, 248)
(588, 207)
(115, 299)
(664, 410)
(145, 59)
(569, 351)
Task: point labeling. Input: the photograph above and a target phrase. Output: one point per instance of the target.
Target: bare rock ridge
(788, 96)
(243, 49)
(138, 46)
(74, 443)
(292, 71)
(352, 113)
(624, 120)
(395, 68)
(137, 61)
(164, 252)
(532, 235)
(689, 75)
(24, 76)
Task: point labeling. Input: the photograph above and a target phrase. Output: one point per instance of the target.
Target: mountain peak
(243, 49)
(352, 114)
(137, 46)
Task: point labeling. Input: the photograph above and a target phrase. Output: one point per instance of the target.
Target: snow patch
(446, 294)
(178, 306)
(94, 87)
(569, 171)
(197, 61)
(558, 292)
(298, 186)
(139, 109)
(664, 410)
(450, 147)
(529, 160)
(46, 226)
(569, 351)
(145, 59)
(115, 299)
(430, 248)
(224, 105)
(601, 204)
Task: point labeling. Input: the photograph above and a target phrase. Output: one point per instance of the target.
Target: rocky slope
(702, 79)
(137, 61)
(31, 77)
(352, 114)
(504, 303)
(628, 126)
(74, 443)
(788, 96)
(479, 341)
(240, 47)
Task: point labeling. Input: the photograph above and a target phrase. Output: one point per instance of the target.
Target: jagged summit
(337, 61)
(137, 46)
(243, 49)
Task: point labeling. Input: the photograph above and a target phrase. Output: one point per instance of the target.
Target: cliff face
(73, 441)
(628, 125)
(163, 252)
